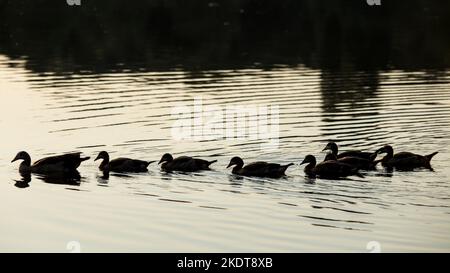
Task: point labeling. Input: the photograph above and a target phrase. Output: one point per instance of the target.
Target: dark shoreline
(200, 35)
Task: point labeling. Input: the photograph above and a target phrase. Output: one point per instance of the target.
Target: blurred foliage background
(198, 34)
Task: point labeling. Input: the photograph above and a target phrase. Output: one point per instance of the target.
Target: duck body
(354, 153)
(332, 169)
(258, 169)
(121, 164)
(184, 163)
(65, 163)
(358, 162)
(405, 160)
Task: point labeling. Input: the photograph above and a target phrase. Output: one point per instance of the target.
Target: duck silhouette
(333, 147)
(331, 169)
(184, 163)
(404, 160)
(357, 162)
(65, 163)
(258, 169)
(121, 164)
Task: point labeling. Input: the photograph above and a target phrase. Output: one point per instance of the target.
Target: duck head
(22, 156)
(387, 149)
(102, 155)
(236, 161)
(309, 159)
(165, 158)
(309, 169)
(331, 146)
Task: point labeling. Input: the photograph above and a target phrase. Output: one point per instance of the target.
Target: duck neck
(309, 169)
(25, 166)
(334, 150)
(237, 168)
(103, 166)
(389, 155)
(26, 163)
(164, 165)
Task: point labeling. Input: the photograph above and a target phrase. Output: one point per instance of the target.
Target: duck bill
(327, 148)
(97, 158)
(229, 165)
(380, 151)
(303, 162)
(15, 159)
(161, 161)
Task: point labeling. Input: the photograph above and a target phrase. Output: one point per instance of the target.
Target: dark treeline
(163, 34)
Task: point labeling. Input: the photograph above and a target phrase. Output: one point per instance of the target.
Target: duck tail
(211, 162)
(430, 156)
(284, 168)
(85, 158)
(428, 160)
(150, 162)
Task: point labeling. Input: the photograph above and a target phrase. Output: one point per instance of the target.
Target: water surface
(128, 113)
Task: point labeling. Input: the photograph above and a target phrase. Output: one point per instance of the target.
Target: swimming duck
(121, 164)
(66, 163)
(358, 162)
(259, 169)
(404, 160)
(184, 163)
(331, 146)
(328, 169)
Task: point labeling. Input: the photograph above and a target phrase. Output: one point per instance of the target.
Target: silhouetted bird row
(336, 165)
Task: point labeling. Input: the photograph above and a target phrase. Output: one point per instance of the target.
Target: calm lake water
(128, 113)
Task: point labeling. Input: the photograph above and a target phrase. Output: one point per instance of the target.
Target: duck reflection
(387, 173)
(350, 95)
(71, 178)
(235, 180)
(102, 180)
(24, 182)
(106, 175)
(310, 180)
(348, 89)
